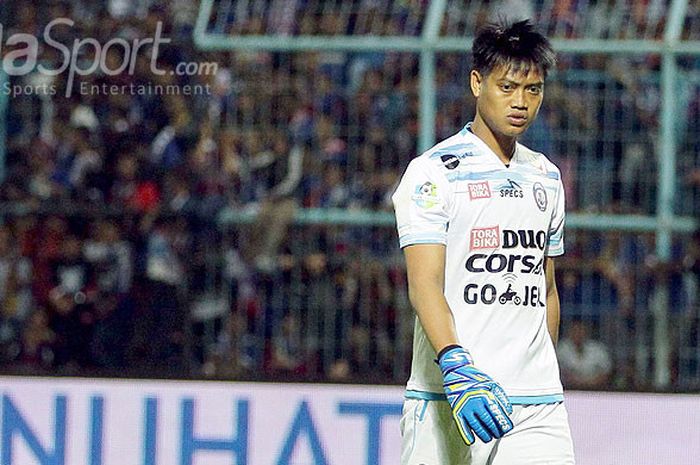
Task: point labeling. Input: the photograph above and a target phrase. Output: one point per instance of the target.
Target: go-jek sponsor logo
(489, 294)
(426, 195)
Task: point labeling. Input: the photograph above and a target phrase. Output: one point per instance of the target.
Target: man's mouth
(517, 120)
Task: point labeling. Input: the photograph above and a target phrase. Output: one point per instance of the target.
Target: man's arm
(552, 301)
(479, 405)
(425, 267)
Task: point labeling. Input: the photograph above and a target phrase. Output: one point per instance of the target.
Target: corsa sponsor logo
(489, 238)
(501, 263)
(479, 190)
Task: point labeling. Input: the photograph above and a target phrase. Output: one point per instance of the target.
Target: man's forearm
(425, 266)
(434, 315)
(552, 301)
(553, 315)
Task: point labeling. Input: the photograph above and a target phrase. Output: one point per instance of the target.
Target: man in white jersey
(479, 218)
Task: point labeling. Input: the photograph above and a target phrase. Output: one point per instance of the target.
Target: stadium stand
(115, 257)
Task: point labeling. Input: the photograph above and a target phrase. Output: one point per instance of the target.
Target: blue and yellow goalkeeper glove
(479, 405)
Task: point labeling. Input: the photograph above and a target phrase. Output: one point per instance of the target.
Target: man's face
(508, 99)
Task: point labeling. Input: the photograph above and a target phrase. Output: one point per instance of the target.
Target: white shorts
(540, 436)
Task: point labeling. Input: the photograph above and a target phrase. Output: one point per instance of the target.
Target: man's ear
(475, 82)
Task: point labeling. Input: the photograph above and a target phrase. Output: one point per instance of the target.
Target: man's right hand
(479, 404)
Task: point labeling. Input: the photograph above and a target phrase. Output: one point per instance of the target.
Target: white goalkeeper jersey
(498, 223)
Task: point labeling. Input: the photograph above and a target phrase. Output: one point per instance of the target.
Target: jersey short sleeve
(422, 204)
(555, 237)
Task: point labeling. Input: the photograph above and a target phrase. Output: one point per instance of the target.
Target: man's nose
(519, 101)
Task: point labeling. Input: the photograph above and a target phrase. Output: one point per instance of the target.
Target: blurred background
(200, 190)
(246, 232)
(229, 217)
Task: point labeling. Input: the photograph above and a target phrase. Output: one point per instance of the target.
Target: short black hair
(517, 45)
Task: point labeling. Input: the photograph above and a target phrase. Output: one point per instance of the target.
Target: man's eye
(535, 90)
(506, 87)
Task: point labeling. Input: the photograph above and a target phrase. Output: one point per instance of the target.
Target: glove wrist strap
(446, 349)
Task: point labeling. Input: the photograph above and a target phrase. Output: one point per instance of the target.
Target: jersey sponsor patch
(495, 261)
(450, 161)
(479, 190)
(485, 238)
(511, 189)
(540, 196)
(426, 195)
(489, 294)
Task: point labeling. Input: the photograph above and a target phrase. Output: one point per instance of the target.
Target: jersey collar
(469, 134)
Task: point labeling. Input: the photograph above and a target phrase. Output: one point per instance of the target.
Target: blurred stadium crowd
(128, 248)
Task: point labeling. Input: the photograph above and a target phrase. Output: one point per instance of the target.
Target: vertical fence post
(427, 101)
(427, 90)
(666, 192)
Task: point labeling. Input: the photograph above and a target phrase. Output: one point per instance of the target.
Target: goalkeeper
(480, 218)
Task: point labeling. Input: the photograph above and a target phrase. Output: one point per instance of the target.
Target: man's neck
(503, 147)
